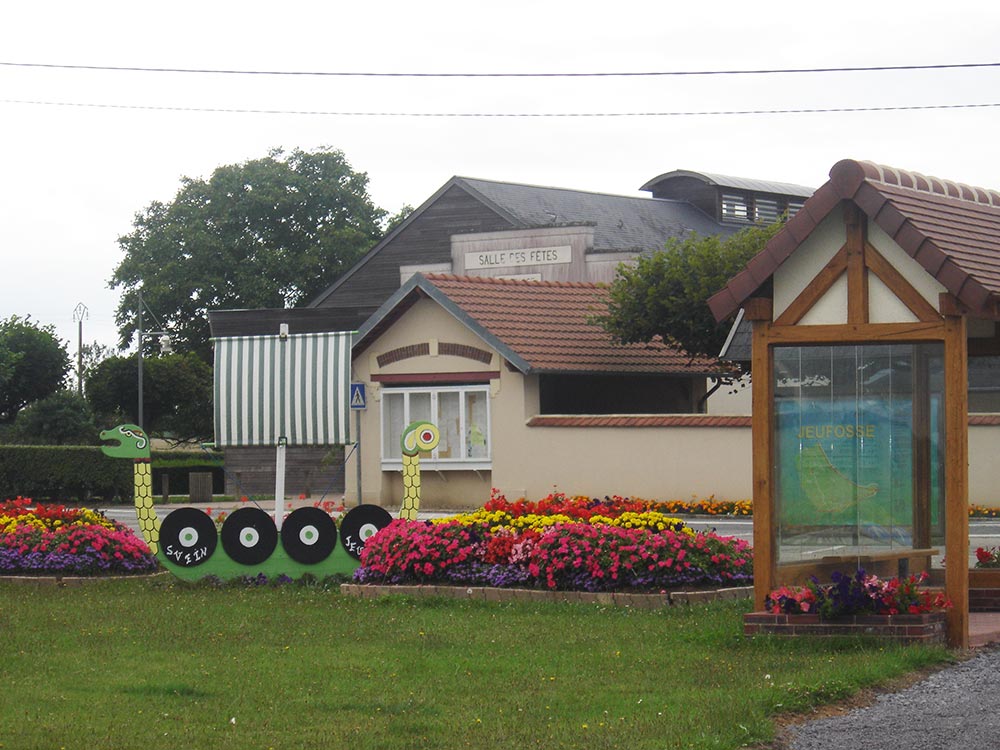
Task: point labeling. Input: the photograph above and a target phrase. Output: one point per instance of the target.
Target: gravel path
(957, 708)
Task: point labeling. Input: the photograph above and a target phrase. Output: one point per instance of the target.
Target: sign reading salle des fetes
(536, 256)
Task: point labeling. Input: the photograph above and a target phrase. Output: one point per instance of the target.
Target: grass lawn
(144, 664)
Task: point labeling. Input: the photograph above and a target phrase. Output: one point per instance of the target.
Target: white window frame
(435, 462)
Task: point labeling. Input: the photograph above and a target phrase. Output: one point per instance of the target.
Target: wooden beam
(950, 305)
(815, 289)
(762, 431)
(856, 224)
(758, 308)
(857, 334)
(921, 447)
(956, 480)
(898, 285)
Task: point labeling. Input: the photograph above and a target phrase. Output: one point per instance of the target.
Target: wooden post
(921, 411)
(956, 479)
(762, 428)
(857, 270)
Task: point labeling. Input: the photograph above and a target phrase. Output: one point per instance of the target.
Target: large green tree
(665, 294)
(33, 364)
(270, 232)
(177, 394)
(62, 418)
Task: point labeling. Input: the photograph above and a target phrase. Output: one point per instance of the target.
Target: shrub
(83, 472)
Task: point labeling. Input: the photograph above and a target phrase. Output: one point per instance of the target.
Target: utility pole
(165, 348)
(79, 313)
(138, 416)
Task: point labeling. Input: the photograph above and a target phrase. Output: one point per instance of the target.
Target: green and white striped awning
(293, 387)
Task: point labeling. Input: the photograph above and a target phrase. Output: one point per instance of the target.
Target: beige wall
(799, 270)
(668, 463)
(427, 322)
(984, 469)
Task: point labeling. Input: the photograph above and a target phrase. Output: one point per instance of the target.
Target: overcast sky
(73, 177)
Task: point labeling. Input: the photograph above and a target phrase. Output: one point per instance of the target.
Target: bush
(83, 472)
(63, 473)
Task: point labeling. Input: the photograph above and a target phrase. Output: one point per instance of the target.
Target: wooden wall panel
(426, 240)
(250, 471)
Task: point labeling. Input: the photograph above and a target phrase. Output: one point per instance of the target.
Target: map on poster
(846, 462)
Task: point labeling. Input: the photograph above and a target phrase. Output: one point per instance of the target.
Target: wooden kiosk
(862, 309)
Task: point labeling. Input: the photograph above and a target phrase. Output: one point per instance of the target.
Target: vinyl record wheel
(249, 536)
(187, 537)
(309, 535)
(359, 524)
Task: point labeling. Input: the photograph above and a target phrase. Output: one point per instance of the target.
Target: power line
(622, 74)
(500, 115)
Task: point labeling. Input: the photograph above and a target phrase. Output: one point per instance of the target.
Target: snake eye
(426, 436)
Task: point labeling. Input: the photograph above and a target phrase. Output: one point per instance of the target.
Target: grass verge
(140, 663)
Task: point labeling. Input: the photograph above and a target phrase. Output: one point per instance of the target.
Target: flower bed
(706, 506)
(859, 604)
(858, 594)
(55, 540)
(556, 544)
(559, 503)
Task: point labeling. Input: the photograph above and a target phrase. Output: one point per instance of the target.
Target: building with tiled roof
(873, 318)
(516, 373)
(538, 327)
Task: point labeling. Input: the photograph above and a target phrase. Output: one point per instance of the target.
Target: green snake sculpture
(249, 543)
(417, 437)
(129, 441)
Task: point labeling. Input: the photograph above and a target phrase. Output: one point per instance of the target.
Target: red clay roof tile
(639, 420)
(548, 324)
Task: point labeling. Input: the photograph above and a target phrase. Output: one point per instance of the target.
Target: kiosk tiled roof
(537, 326)
(952, 230)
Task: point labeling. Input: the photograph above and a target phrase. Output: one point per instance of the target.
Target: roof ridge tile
(583, 285)
(912, 180)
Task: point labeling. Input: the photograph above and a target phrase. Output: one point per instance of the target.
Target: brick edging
(922, 628)
(490, 594)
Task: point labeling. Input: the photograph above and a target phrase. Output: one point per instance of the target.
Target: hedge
(83, 472)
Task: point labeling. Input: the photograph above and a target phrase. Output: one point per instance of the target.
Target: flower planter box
(923, 628)
(984, 600)
(984, 590)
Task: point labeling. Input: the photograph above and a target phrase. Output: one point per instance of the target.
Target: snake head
(127, 441)
(420, 436)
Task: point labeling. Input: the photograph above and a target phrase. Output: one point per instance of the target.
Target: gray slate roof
(621, 223)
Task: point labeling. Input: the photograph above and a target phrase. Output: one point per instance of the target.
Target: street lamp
(165, 348)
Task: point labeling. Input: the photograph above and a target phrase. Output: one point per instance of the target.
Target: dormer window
(766, 210)
(735, 208)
